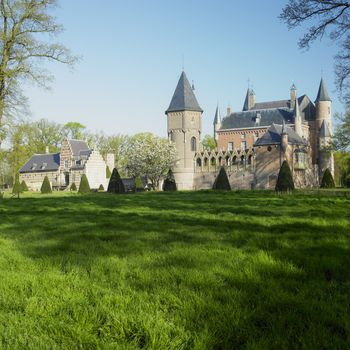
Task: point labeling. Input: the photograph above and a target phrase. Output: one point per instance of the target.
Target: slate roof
(324, 130)
(184, 98)
(273, 136)
(217, 118)
(42, 162)
(272, 104)
(78, 146)
(322, 94)
(248, 119)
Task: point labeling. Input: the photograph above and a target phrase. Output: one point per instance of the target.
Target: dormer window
(43, 167)
(34, 166)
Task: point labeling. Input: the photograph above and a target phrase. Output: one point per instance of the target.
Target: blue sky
(132, 58)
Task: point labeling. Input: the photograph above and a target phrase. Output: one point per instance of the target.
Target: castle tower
(217, 123)
(297, 119)
(184, 129)
(250, 100)
(293, 96)
(324, 130)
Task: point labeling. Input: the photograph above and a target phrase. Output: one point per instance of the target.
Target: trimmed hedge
(169, 183)
(327, 180)
(285, 181)
(17, 188)
(24, 186)
(101, 188)
(84, 186)
(221, 182)
(73, 187)
(115, 183)
(46, 187)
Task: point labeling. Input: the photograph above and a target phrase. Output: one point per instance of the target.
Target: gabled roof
(322, 94)
(42, 162)
(324, 130)
(78, 146)
(272, 104)
(273, 136)
(184, 98)
(247, 119)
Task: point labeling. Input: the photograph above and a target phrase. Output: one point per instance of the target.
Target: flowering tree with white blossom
(150, 156)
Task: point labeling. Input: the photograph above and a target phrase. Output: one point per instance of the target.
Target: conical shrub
(46, 187)
(115, 183)
(17, 188)
(285, 179)
(73, 187)
(24, 186)
(221, 182)
(101, 188)
(84, 186)
(327, 180)
(169, 182)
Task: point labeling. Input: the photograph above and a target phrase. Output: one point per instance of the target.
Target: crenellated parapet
(233, 161)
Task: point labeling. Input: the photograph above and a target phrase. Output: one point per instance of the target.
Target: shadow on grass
(264, 272)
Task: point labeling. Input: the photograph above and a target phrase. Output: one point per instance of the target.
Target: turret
(284, 139)
(324, 130)
(184, 129)
(297, 119)
(250, 100)
(293, 96)
(217, 122)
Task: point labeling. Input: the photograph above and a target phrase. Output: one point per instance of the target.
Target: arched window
(193, 144)
(199, 162)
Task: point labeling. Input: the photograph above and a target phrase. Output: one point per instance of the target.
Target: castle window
(230, 146)
(269, 148)
(300, 159)
(193, 144)
(199, 162)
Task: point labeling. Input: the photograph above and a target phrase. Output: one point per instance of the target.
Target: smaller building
(67, 167)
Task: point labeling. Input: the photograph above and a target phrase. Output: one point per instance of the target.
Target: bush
(84, 186)
(101, 188)
(24, 186)
(115, 183)
(2, 194)
(139, 186)
(108, 172)
(17, 189)
(169, 182)
(73, 187)
(285, 179)
(327, 180)
(46, 187)
(221, 182)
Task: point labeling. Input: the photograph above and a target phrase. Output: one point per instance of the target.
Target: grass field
(186, 270)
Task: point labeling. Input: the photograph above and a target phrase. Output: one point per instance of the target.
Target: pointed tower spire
(184, 98)
(322, 94)
(297, 119)
(246, 101)
(217, 118)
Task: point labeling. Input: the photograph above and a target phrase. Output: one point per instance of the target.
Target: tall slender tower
(297, 119)
(184, 129)
(324, 130)
(217, 123)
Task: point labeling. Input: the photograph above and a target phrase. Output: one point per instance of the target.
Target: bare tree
(23, 26)
(326, 17)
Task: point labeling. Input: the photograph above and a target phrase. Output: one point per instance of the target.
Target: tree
(285, 181)
(221, 182)
(150, 156)
(342, 134)
(23, 27)
(139, 186)
(24, 186)
(73, 130)
(17, 189)
(108, 172)
(84, 186)
(115, 184)
(169, 182)
(328, 18)
(327, 180)
(209, 143)
(46, 186)
(46, 134)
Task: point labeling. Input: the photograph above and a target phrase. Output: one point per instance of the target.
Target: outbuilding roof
(78, 146)
(42, 162)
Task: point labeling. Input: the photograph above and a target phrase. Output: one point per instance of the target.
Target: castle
(252, 143)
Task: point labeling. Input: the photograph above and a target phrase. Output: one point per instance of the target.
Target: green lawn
(186, 270)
